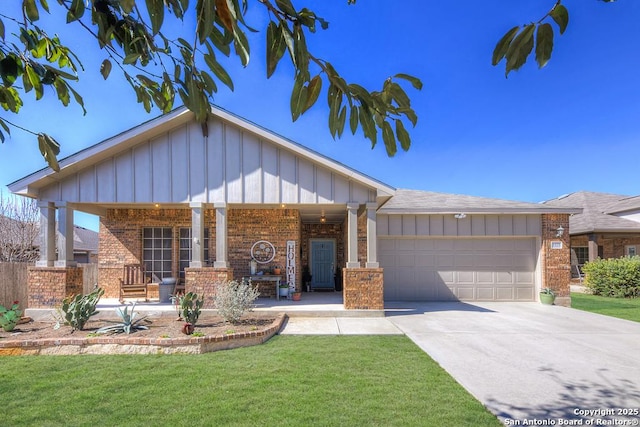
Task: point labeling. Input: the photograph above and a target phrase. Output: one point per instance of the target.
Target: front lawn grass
(623, 308)
(288, 381)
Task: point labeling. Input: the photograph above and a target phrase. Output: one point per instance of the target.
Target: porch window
(185, 248)
(156, 248)
(582, 254)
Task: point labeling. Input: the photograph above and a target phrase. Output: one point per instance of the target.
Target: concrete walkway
(339, 326)
(528, 361)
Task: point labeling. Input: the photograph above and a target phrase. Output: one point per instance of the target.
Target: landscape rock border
(140, 345)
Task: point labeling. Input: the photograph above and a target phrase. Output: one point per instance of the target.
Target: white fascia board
(99, 151)
(503, 211)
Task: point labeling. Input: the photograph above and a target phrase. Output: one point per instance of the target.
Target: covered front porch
(191, 206)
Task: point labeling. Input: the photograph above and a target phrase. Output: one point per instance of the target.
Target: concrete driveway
(528, 361)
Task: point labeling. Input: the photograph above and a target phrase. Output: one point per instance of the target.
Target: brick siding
(47, 287)
(363, 288)
(556, 266)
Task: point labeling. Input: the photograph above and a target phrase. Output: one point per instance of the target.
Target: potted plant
(296, 295)
(10, 317)
(277, 270)
(190, 305)
(306, 276)
(547, 296)
(284, 290)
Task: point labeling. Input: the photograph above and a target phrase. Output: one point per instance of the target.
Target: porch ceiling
(309, 214)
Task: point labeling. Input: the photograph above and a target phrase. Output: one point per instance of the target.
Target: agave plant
(128, 323)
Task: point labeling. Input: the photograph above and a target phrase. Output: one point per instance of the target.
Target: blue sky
(574, 125)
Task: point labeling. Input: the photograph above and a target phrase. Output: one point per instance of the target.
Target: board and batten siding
(230, 165)
(448, 226)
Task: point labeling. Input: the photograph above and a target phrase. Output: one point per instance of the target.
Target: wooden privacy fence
(13, 281)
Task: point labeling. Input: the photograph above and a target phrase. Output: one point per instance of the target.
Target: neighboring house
(199, 205)
(608, 227)
(20, 241)
(85, 245)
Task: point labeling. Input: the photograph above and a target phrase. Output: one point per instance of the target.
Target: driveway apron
(530, 363)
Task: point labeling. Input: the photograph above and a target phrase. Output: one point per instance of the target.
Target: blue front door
(322, 264)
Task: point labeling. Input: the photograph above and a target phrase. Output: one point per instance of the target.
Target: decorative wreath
(263, 252)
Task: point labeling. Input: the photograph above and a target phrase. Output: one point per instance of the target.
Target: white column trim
(352, 235)
(47, 234)
(197, 235)
(372, 236)
(221, 235)
(65, 235)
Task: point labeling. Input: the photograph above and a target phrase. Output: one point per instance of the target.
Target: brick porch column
(48, 286)
(556, 273)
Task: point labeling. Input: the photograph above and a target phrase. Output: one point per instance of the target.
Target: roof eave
(499, 211)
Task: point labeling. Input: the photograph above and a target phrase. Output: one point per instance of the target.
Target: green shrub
(234, 298)
(614, 277)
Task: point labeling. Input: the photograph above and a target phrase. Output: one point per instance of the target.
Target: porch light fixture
(323, 219)
(559, 231)
(460, 215)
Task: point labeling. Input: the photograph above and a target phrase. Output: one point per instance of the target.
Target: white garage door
(423, 269)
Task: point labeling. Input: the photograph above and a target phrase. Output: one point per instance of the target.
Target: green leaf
(287, 7)
(105, 68)
(368, 125)
(389, 139)
(241, 45)
(353, 119)
(78, 99)
(276, 46)
(131, 58)
(560, 14)
(399, 95)
(76, 10)
(313, 92)
(341, 121)
(520, 48)
(205, 16)
(415, 82)
(1, 29)
(127, 5)
(217, 69)
(288, 39)
(63, 91)
(49, 148)
(34, 79)
(155, 8)
(298, 98)
(31, 10)
(403, 135)
(9, 70)
(503, 45)
(544, 44)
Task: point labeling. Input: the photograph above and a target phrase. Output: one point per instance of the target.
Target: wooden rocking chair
(133, 283)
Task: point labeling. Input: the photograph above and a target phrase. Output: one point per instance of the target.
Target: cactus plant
(79, 308)
(128, 322)
(190, 306)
